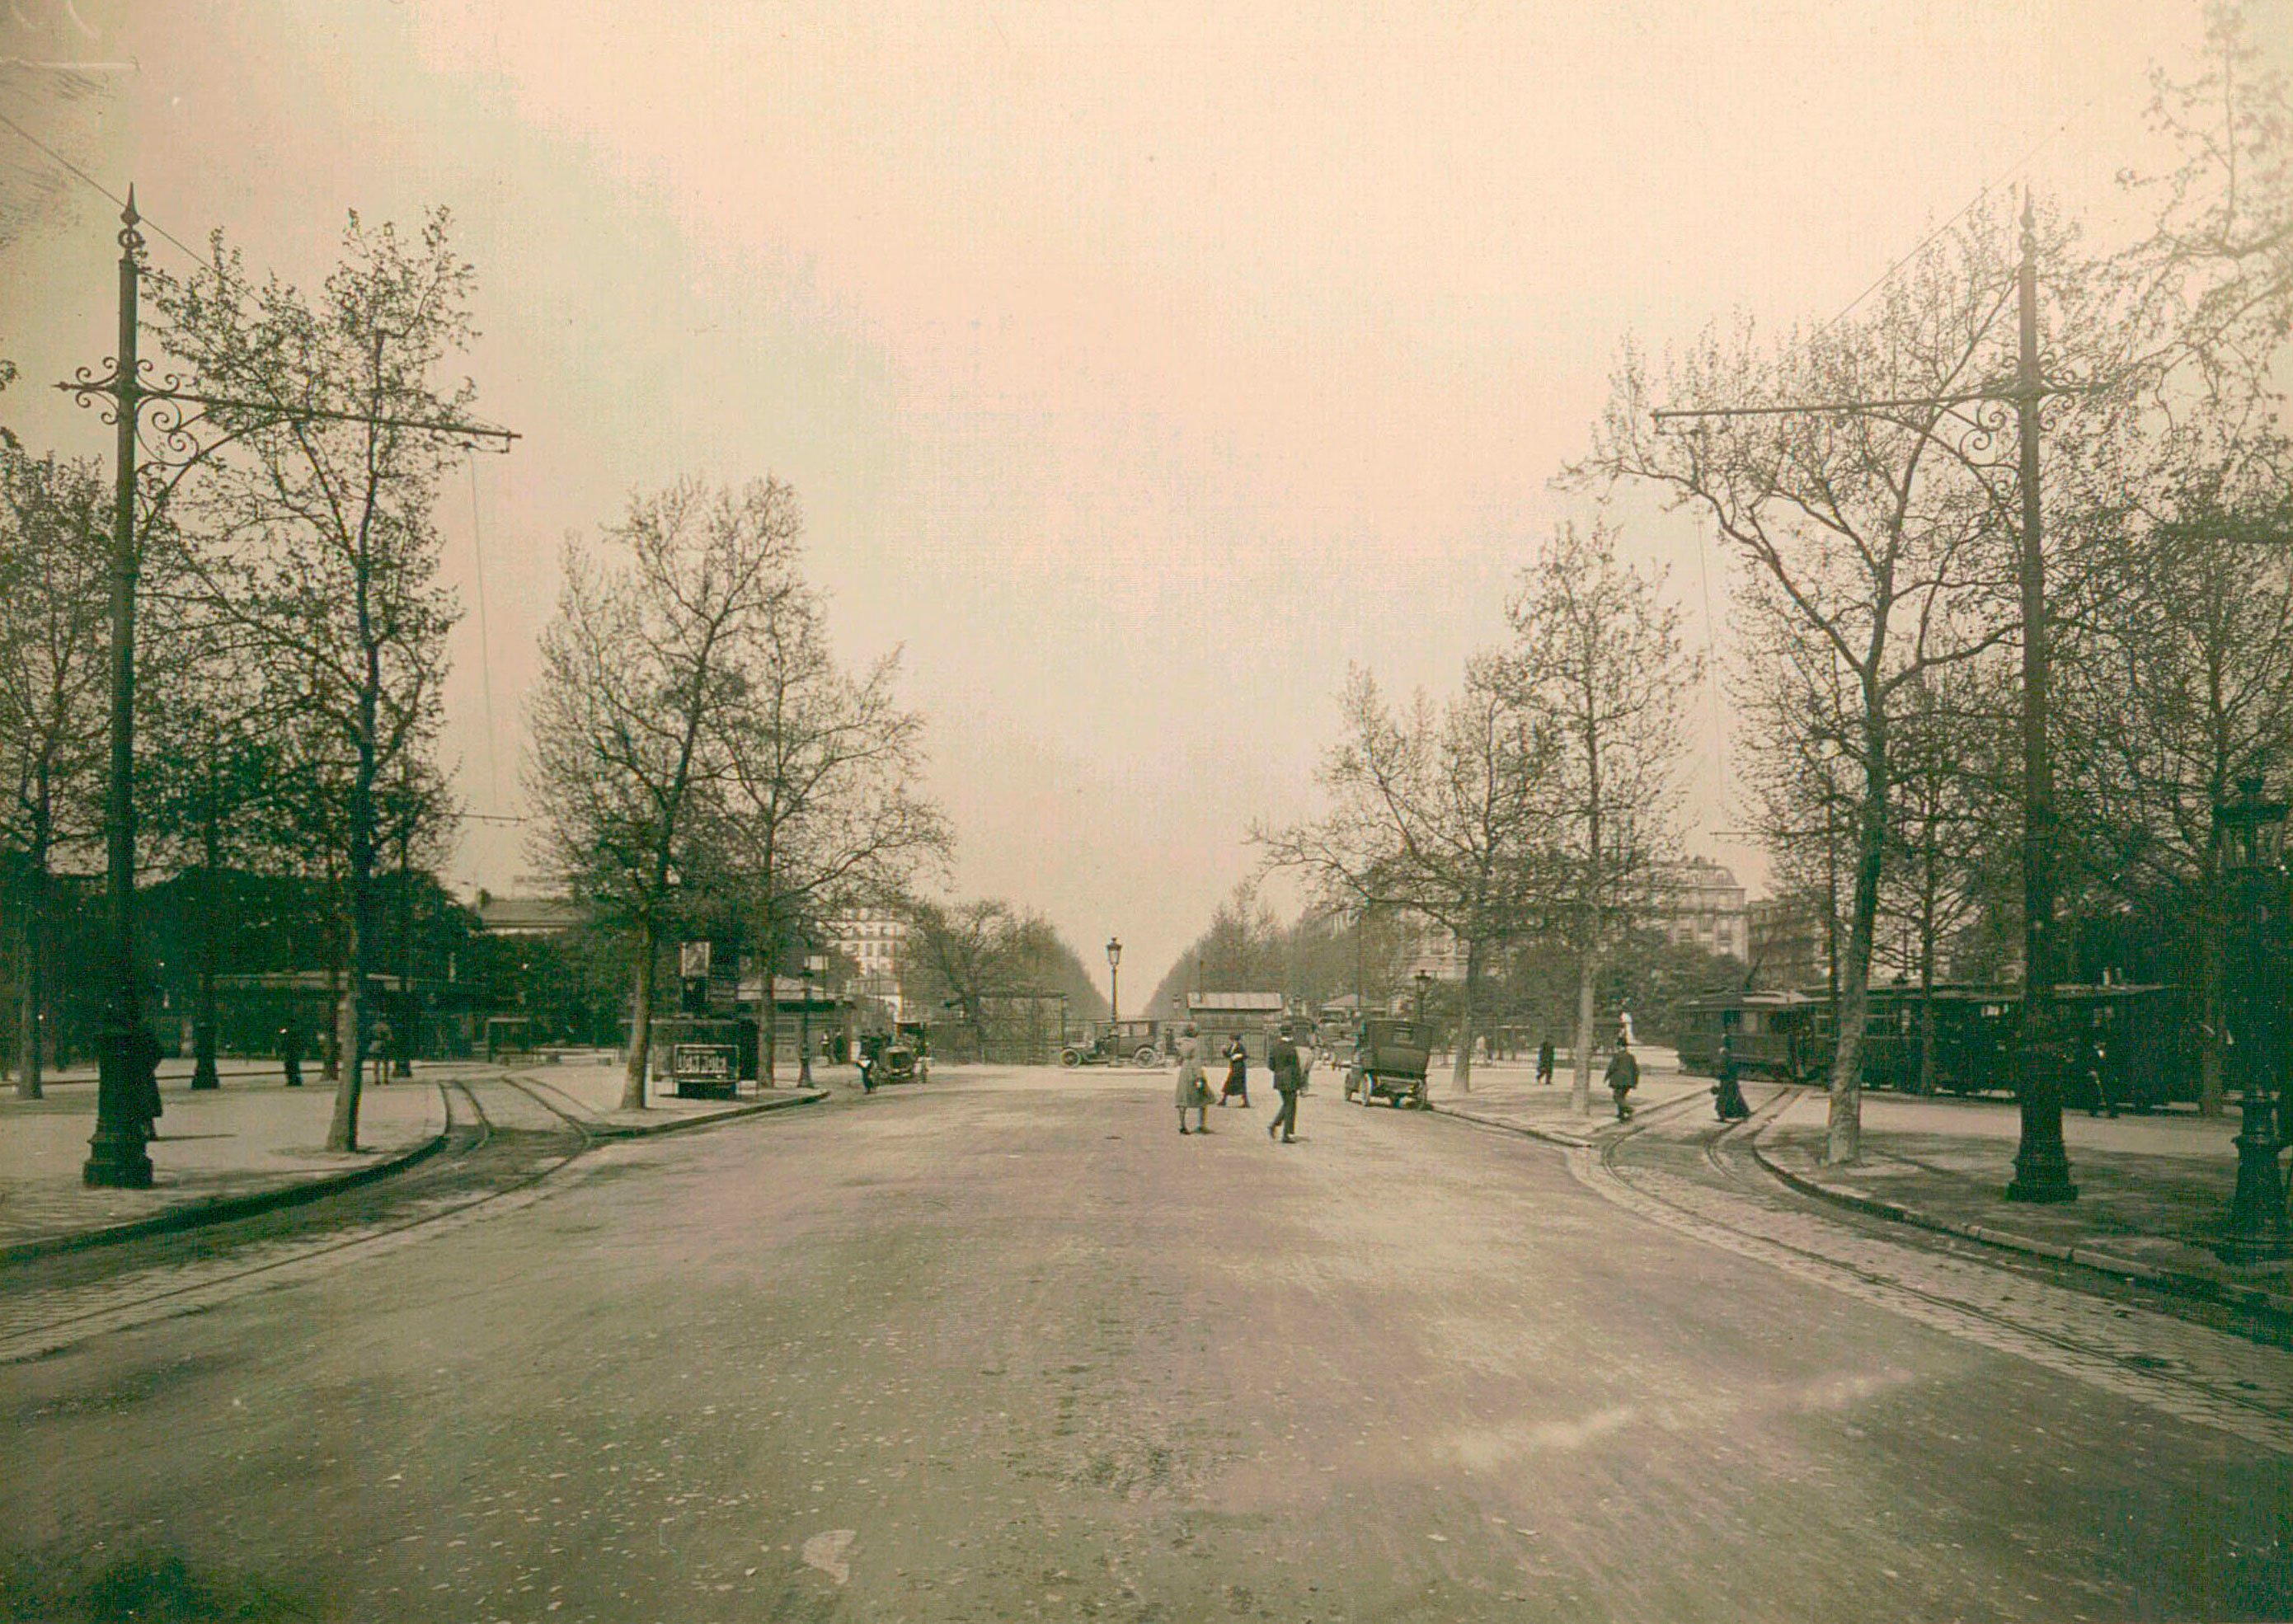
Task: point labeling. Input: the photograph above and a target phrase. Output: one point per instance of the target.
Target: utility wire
(196, 257)
(2004, 176)
(485, 645)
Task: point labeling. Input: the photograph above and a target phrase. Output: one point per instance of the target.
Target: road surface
(1006, 1347)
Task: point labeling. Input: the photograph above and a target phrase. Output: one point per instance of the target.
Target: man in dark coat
(1289, 1078)
(1623, 1076)
(1544, 1061)
(1728, 1092)
(290, 1054)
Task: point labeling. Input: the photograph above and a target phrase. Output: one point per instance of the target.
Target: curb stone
(646, 1130)
(222, 1210)
(1550, 1135)
(196, 1214)
(2176, 1281)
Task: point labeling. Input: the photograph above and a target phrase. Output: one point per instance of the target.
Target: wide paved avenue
(1007, 1346)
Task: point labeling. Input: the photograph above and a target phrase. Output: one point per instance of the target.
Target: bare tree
(1878, 536)
(2185, 683)
(2211, 287)
(316, 539)
(211, 771)
(1451, 816)
(984, 958)
(822, 783)
(54, 607)
(645, 661)
(1594, 651)
(1952, 819)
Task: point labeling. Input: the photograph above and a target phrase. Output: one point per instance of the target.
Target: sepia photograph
(1659, 630)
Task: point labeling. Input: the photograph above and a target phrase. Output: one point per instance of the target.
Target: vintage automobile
(1111, 1043)
(902, 1055)
(1388, 1063)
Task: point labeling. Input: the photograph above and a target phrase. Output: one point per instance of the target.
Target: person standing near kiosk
(1289, 1081)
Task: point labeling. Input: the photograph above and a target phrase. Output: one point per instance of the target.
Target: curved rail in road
(2195, 1371)
(51, 1303)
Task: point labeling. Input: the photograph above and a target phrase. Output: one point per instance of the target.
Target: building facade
(1699, 903)
(1787, 942)
(875, 940)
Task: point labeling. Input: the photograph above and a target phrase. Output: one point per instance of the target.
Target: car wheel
(1146, 1057)
(1070, 1058)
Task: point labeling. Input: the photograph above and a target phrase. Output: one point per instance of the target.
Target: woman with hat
(1193, 1089)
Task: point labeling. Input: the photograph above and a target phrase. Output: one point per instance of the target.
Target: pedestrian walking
(1544, 1060)
(290, 1054)
(1283, 1060)
(1728, 1092)
(1625, 1029)
(143, 1080)
(1238, 1073)
(1193, 1089)
(1623, 1076)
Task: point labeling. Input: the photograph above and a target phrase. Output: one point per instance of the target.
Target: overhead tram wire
(1993, 184)
(485, 651)
(82, 175)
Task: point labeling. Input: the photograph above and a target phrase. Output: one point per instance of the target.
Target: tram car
(1783, 1035)
(2124, 1042)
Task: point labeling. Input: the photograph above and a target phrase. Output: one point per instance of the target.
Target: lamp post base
(2257, 1228)
(2042, 1168)
(127, 1102)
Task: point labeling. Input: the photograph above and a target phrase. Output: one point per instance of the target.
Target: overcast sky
(1139, 366)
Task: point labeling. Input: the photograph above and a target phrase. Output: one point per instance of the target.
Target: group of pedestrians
(1284, 1059)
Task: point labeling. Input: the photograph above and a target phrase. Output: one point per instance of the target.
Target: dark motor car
(1389, 1059)
(1109, 1043)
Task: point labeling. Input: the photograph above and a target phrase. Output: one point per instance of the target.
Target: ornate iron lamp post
(1974, 422)
(187, 427)
(2250, 838)
(1114, 987)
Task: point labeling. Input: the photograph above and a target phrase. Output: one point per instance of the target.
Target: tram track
(2186, 1369)
(491, 1163)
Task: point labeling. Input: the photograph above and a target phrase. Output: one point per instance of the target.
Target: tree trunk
(1460, 1075)
(1926, 975)
(1588, 973)
(330, 1066)
(343, 1135)
(34, 979)
(1927, 1007)
(2213, 1014)
(203, 1017)
(641, 991)
(1844, 1141)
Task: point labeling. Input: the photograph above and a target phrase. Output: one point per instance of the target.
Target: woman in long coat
(1193, 1090)
(1238, 1073)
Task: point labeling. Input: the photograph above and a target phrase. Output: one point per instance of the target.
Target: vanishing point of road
(1006, 1347)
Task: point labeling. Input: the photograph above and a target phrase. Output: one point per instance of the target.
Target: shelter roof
(1241, 1002)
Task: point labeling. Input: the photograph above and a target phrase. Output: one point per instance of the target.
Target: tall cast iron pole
(2042, 1170)
(127, 1057)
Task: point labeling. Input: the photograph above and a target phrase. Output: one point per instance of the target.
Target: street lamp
(813, 964)
(1114, 986)
(2249, 836)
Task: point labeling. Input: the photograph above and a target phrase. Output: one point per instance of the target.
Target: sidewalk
(2154, 1191)
(255, 1144)
(1506, 1093)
